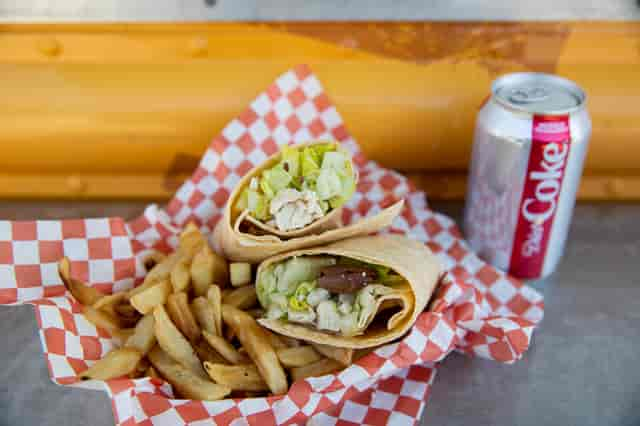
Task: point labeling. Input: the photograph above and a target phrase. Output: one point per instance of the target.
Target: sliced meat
(345, 279)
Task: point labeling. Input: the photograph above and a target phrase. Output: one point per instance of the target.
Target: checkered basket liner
(476, 310)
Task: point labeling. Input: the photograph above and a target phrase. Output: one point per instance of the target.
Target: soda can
(529, 147)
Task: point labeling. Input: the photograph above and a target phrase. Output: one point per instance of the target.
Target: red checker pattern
(386, 386)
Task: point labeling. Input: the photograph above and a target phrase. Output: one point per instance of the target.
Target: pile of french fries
(191, 323)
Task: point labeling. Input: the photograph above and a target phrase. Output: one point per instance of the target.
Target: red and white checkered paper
(477, 309)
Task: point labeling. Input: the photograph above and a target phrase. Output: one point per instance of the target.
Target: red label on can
(550, 144)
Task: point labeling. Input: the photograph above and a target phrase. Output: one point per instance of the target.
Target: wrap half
(292, 201)
(355, 293)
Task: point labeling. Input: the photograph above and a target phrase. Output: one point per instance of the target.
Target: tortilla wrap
(408, 258)
(240, 246)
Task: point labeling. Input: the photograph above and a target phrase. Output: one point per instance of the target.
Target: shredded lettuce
(298, 301)
(328, 316)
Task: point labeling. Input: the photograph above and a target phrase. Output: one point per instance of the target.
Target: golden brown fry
(184, 381)
(298, 357)
(156, 295)
(214, 298)
(240, 274)
(203, 312)
(143, 338)
(317, 369)
(117, 363)
(225, 349)
(174, 343)
(275, 340)
(202, 270)
(152, 373)
(152, 259)
(206, 353)
(109, 301)
(343, 355)
(82, 292)
(160, 272)
(238, 377)
(254, 339)
(180, 277)
(123, 334)
(191, 241)
(180, 313)
(102, 320)
(242, 297)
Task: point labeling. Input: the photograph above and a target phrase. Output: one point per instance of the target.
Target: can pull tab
(525, 95)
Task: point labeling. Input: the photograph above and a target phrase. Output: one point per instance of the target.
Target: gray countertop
(581, 369)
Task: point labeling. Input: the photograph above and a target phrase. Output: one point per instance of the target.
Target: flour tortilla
(239, 246)
(410, 259)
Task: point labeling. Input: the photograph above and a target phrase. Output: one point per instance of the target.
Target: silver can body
(529, 146)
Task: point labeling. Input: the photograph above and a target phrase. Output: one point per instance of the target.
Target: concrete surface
(581, 370)
(336, 10)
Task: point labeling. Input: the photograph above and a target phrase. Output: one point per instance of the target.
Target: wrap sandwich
(291, 201)
(354, 293)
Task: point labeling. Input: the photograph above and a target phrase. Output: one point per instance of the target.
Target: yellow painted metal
(126, 110)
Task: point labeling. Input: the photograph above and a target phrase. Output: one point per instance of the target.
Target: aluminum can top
(538, 93)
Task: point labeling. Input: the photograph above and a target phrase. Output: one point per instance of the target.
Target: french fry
(225, 349)
(123, 334)
(318, 368)
(191, 241)
(241, 298)
(143, 338)
(180, 313)
(184, 381)
(204, 314)
(214, 298)
(238, 377)
(174, 343)
(152, 259)
(275, 340)
(110, 300)
(116, 363)
(202, 270)
(343, 355)
(159, 272)
(156, 295)
(254, 339)
(82, 292)
(108, 304)
(240, 274)
(180, 277)
(206, 353)
(152, 373)
(102, 320)
(298, 357)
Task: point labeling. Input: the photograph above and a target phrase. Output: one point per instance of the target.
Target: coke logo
(539, 208)
(548, 157)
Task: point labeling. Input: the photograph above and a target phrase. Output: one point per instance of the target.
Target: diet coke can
(529, 147)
